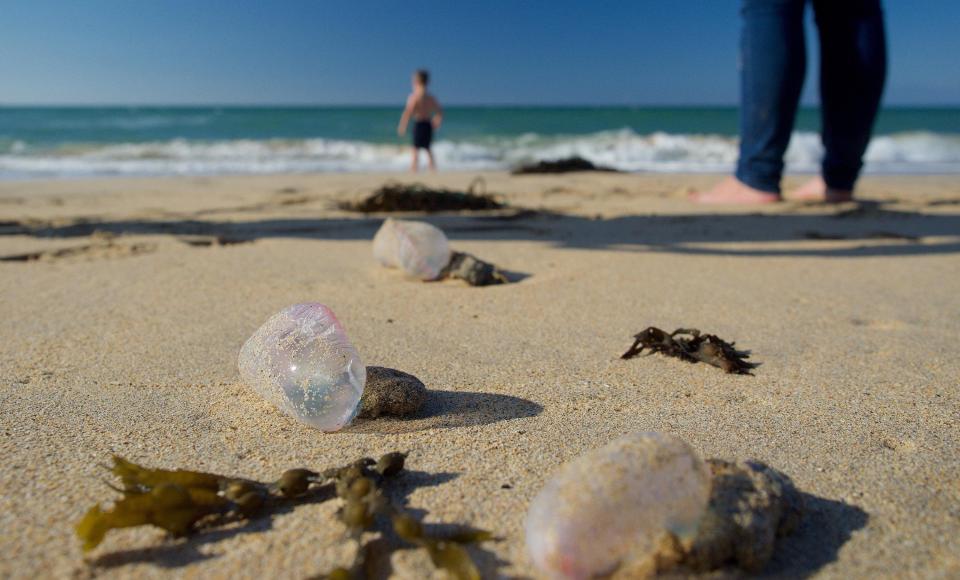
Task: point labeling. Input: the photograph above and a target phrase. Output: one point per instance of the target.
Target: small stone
(751, 505)
(474, 271)
(391, 392)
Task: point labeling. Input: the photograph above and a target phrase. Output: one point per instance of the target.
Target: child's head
(420, 78)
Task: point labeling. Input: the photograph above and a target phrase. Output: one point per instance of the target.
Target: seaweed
(706, 348)
(565, 165)
(473, 270)
(396, 197)
(182, 502)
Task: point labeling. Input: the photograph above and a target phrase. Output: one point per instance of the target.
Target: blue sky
(361, 52)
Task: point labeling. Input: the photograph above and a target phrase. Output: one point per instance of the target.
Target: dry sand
(128, 345)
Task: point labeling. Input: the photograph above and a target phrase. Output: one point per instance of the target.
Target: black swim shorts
(422, 134)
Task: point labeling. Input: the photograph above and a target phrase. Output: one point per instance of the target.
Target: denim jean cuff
(758, 181)
(843, 179)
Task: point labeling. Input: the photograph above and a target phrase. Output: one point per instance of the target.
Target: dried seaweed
(706, 348)
(418, 197)
(565, 165)
(182, 502)
(473, 270)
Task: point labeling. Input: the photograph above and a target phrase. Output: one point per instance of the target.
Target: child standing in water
(427, 117)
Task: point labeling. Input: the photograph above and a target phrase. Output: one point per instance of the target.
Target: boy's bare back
(422, 106)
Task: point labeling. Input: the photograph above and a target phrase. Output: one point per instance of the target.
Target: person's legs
(430, 162)
(422, 137)
(772, 67)
(853, 64)
(414, 161)
(773, 64)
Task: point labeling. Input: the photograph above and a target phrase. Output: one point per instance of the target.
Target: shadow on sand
(448, 409)
(826, 526)
(867, 229)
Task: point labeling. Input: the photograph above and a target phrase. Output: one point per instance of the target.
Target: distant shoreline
(49, 142)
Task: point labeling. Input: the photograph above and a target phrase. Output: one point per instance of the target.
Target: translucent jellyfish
(418, 248)
(302, 361)
(615, 508)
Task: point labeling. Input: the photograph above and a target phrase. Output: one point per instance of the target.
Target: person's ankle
(817, 190)
(834, 195)
(768, 191)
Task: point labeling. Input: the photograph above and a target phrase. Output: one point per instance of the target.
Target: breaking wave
(913, 152)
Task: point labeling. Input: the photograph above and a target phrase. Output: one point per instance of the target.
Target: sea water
(44, 142)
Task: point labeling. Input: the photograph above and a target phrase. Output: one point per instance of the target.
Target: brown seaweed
(473, 270)
(396, 197)
(565, 165)
(182, 502)
(706, 348)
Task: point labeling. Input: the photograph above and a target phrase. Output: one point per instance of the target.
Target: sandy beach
(125, 302)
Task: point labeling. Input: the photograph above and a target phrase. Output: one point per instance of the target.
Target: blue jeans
(853, 63)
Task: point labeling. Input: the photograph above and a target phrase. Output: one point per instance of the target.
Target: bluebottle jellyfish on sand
(301, 361)
(421, 250)
(617, 510)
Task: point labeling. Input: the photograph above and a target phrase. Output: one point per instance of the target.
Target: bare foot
(733, 191)
(817, 190)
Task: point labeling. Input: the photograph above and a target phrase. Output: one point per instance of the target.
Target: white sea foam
(918, 152)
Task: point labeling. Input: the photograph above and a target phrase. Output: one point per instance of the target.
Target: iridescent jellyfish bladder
(301, 361)
(613, 510)
(421, 250)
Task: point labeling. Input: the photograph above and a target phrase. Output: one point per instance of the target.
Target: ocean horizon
(39, 142)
